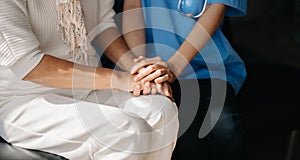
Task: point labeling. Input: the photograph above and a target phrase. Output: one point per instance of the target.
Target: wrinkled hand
(152, 69)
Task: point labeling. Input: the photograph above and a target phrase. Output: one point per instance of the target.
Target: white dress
(76, 124)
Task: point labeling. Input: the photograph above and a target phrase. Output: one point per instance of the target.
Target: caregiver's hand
(142, 62)
(152, 69)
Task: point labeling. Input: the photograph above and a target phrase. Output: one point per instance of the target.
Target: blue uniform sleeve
(235, 7)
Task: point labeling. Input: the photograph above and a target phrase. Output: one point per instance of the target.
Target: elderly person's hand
(152, 88)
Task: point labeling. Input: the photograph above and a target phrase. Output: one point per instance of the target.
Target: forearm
(205, 27)
(58, 73)
(115, 48)
(133, 26)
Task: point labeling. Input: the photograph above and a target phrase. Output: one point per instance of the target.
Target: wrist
(177, 63)
(127, 61)
(174, 68)
(122, 81)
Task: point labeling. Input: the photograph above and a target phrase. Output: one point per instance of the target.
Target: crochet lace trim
(72, 25)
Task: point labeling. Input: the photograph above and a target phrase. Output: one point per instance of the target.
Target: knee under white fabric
(128, 128)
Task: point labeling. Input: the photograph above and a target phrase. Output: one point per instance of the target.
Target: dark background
(268, 40)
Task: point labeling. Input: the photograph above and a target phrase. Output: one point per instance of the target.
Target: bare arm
(115, 48)
(133, 26)
(206, 25)
(58, 73)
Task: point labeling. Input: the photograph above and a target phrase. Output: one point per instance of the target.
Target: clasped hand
(152, 76)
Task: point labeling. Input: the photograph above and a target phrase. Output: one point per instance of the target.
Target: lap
(51, 122)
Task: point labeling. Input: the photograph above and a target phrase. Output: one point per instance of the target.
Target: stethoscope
(191, 15)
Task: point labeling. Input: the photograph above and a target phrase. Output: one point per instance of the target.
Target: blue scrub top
(167, 29)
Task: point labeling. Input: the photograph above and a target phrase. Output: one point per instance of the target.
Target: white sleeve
(19, 47)
(105, 18)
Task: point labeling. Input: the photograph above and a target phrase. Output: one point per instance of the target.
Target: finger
(147, 71)
(153, 89)
(162, 79)
(139, 65)
(157, 58)
(160, 89)
(139, 59)
(146, 62)
(141, 70)
(154, 75)
(147, 88)
(137, 90)
(167, 90)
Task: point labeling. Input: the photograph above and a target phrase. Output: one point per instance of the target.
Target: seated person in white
(54, 95)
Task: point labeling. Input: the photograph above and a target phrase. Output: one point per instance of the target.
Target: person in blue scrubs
(194, 48)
